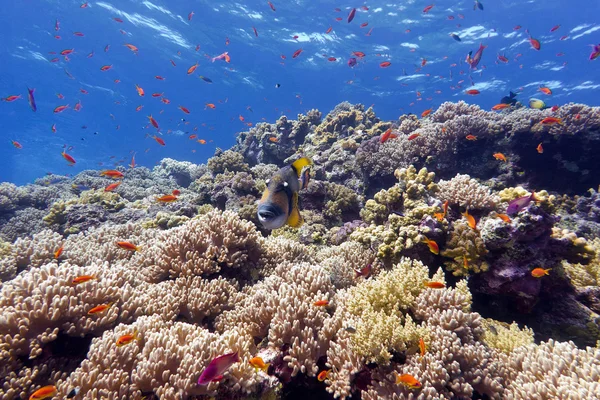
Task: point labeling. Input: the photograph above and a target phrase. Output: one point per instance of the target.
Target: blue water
(162, 32)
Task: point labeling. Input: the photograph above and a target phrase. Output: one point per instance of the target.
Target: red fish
(128, 246)
(190, 15)
(53, 128)
(364, 24)
(271, 5)
(159, 140)
(413, 136)
(192, 69)
(351, 15)
(66, 52)
(426, 9)
(217, 367)
(385, 64)
(106, 48)
(535, 43)
(387, 135)
(329, 29)
(185, 110)
(60, 109)
(80, 34)
(119, 20)
(255, 31)
(16, 144)
(68, 157)
(153, 121)
(105, 67)
(554, 28)
(473, 92)
(46, 392)
(297, 53)
(321, 303)
(539, 148)
(435, 285)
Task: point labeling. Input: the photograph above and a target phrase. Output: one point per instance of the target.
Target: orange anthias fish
(504, 218)
(159, 140)
(470, 219)
(551, 121)
(139, 90)
(545, 90)
(471, 137)
(153, 121)
(364, 271)
(500, 156)
(422, 347)
(539, 272)
(128, 246)
(12, 98)
(473, 92)
(184, 109)
(435, 285)
(385, 64)
(99, 309)
(192, 69)
(413, 136)
(67, 157)
(321, 303)
(167, 198)
(112, 186)
(211, 106)
(433, 246)
(258, 363)
(426, 113)
(124, 340)
(58, 252)
(131, 47)
(539, 148)
(82, 279)
(60, 109)
(112, 173)
(16, 144)
(409, 381)
(45, 392)
(500, 106)
(323, 375)
(387, 135)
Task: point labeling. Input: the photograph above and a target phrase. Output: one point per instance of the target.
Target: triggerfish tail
(279, 203)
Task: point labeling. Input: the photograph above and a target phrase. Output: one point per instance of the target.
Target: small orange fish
(45, 392)
(473, 92)
(413, 136)
(470, 219)
(426, 113)
(99, 309)
(435, 285)
(445, 207)
(471, 137)
(105, 67)
(184, 109)
(258, 363)
(112, 173)
(82, 279)
(387, 135)
(500, 106)
(58, 252)
(500, 156)
(60, 109)
(551, 121)
(385, 64)
(409, 381)
(11, 98)
(504, 218)
(273, 139)
(168, 198)
(201, 141)
(140, 91)
(211, 106)
(128, 246)
(112, 186)
(539, 148)
(465, 262)
(323, 375)
(422, 347)
(433, 246)
(539, 272)
(321, 303)
(545, 90)
(192, 69)
(67, 157)
(439, 216)
(124, 340)
(153, 121)
(131, 47)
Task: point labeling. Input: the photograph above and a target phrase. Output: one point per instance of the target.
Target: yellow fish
(279, 202)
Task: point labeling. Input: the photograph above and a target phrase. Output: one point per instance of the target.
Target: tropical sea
(290, 200)
(400, 33)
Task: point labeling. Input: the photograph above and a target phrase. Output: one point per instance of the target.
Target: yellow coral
(379, 306)
(465, 242)
(582, 275)
(505, 337)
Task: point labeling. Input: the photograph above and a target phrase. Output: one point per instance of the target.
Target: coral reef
(387, 277)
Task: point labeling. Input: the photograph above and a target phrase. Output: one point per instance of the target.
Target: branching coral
(467, 192)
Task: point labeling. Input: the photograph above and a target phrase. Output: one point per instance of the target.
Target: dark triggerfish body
(279, 202)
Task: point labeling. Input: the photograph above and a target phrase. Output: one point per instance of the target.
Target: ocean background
(246, 86)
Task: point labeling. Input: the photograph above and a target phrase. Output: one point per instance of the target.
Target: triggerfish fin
(279, 202)
(217, 367)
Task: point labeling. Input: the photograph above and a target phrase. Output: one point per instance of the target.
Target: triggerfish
(279, 202)
(217, 367)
